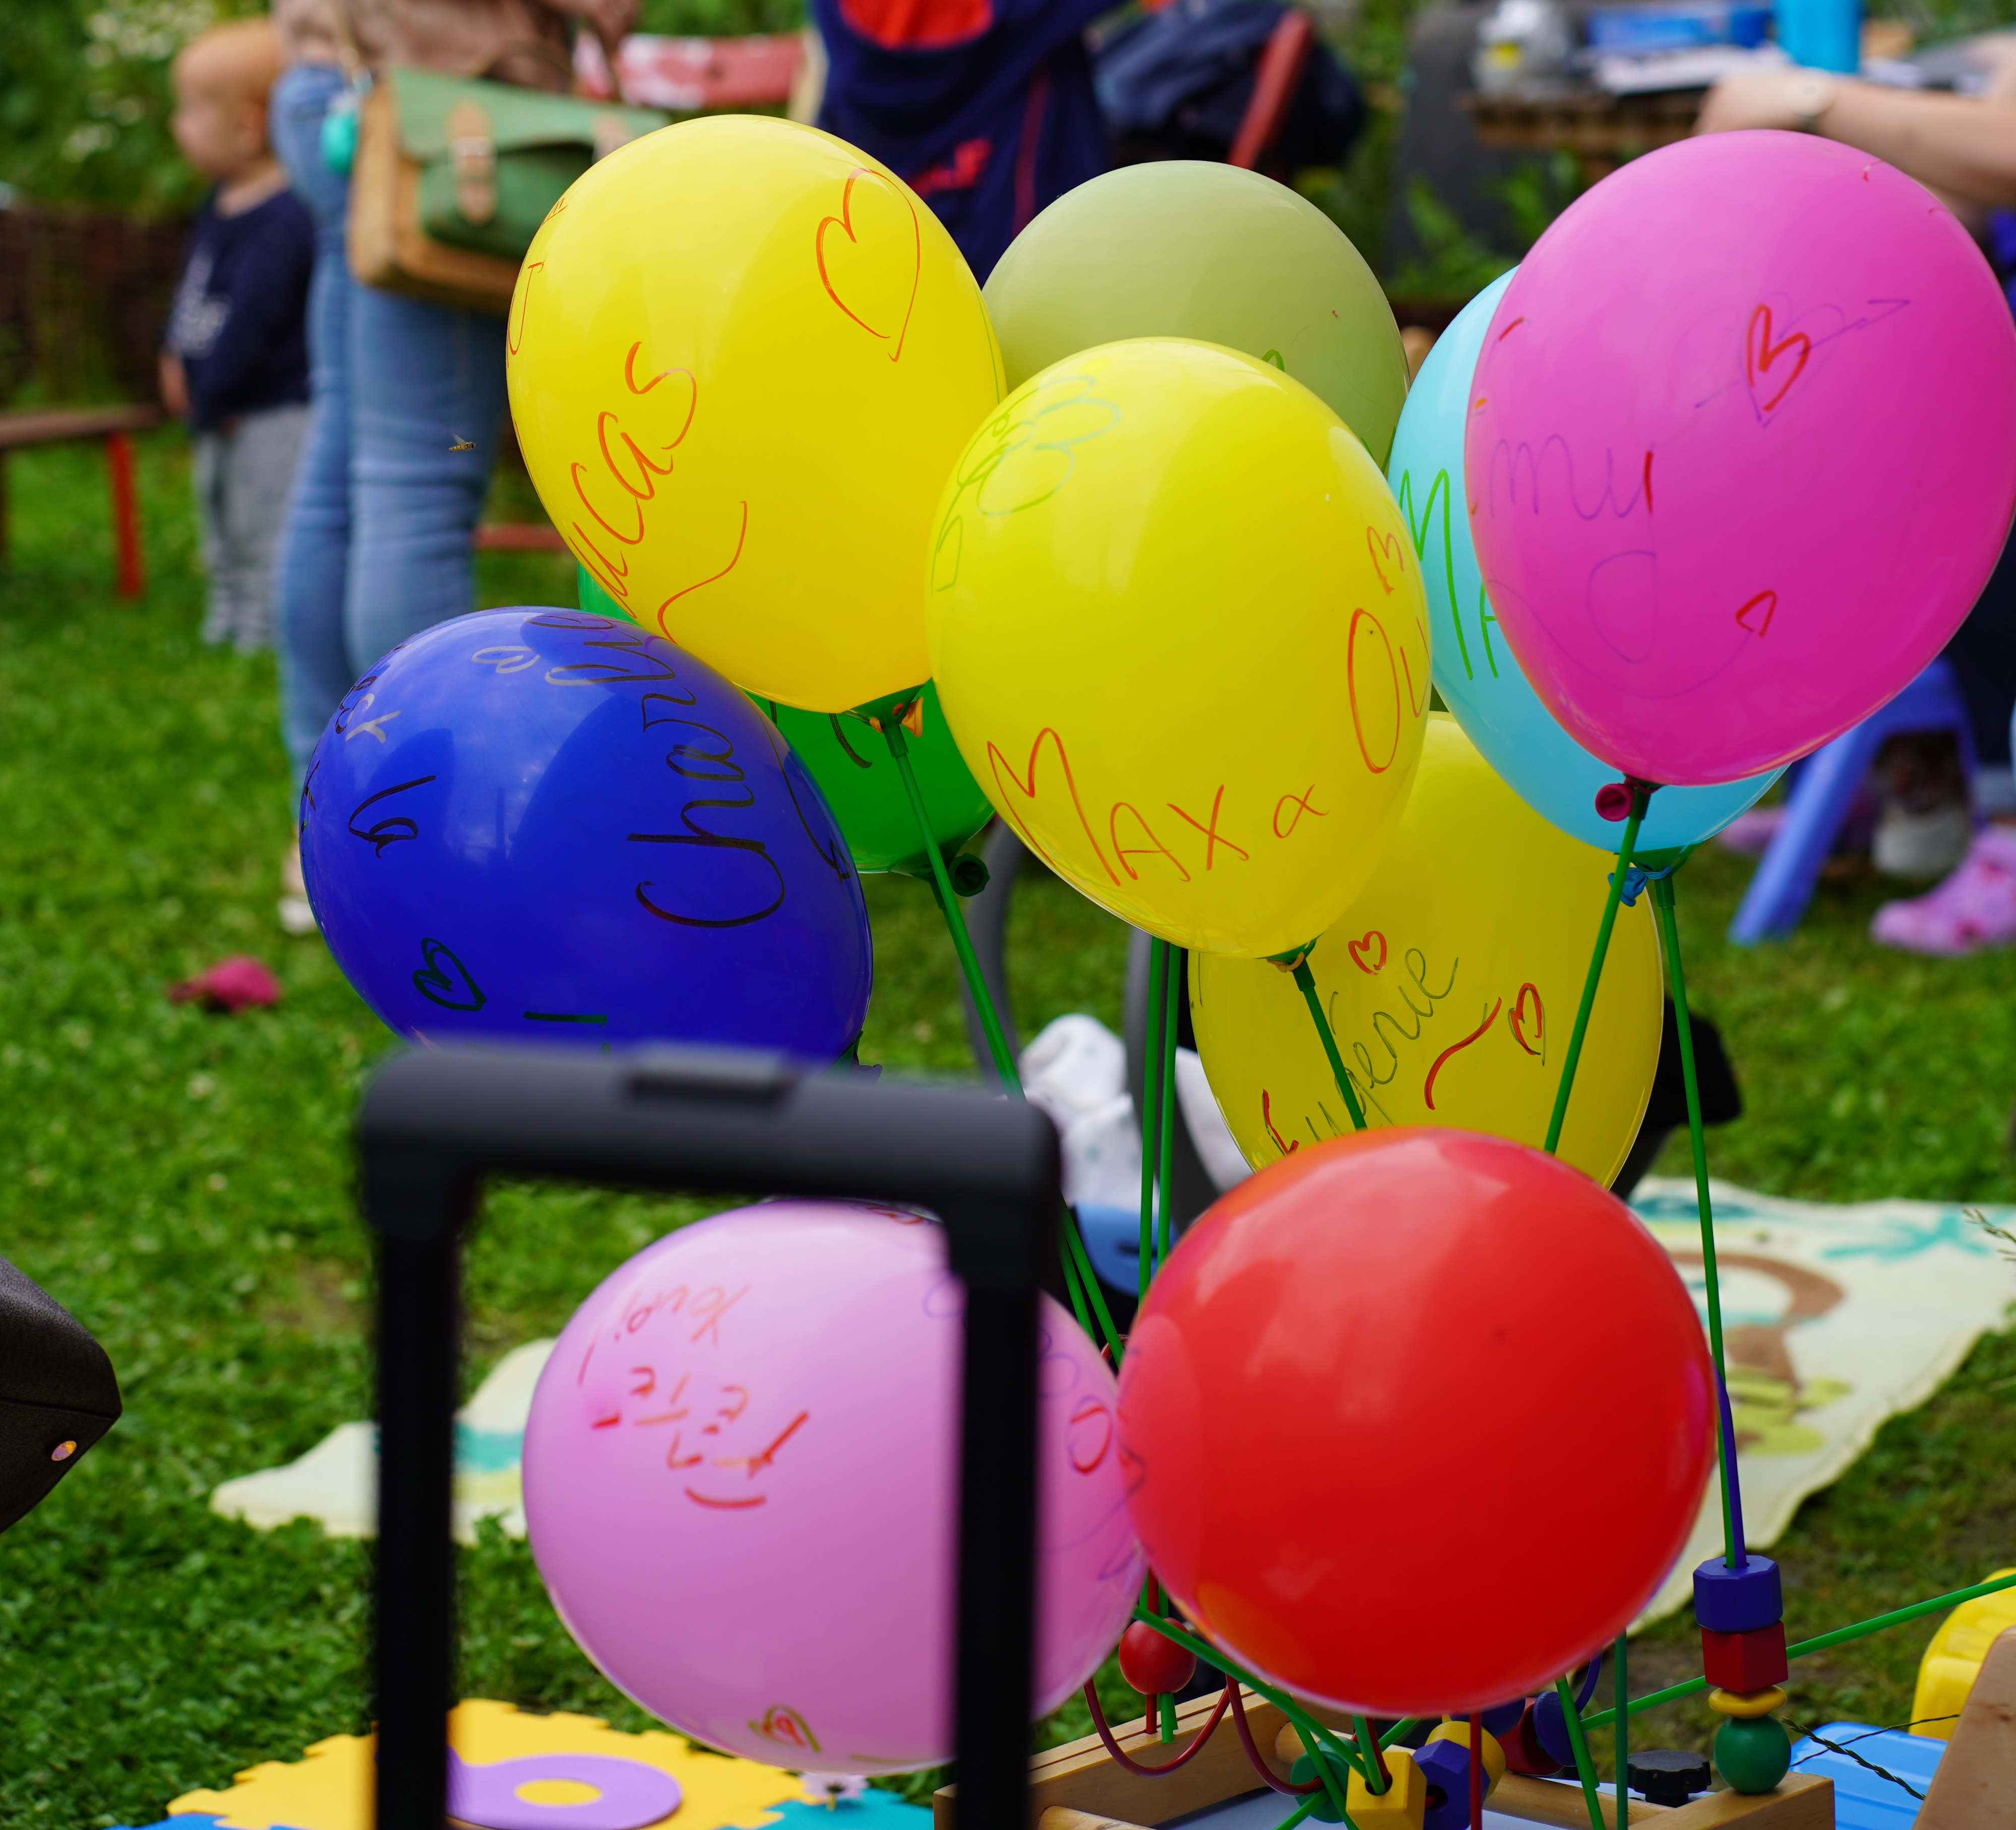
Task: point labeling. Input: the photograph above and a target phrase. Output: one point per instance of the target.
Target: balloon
(741, 1487)
(547, 825)
(743, 356)
(1331, 1401)
(1179, 635)
(1451, 984)
(1476, 671)
(1738, 460)
(1184, 247)
(851, 763)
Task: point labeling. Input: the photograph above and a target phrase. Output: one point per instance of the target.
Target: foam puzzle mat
(516, 1770)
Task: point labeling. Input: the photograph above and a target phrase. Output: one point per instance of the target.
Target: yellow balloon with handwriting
(1451, 985)
(742, 357)
(1179, 632)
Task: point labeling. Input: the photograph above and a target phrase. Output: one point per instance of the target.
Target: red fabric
(898, 25)
(231, 984)
(961, 172)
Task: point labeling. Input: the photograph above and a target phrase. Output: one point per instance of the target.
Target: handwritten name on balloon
(1208, 825)
(615, 654)
(661, 1385)
(630, 461)
(1387, 1029)
(1029, 453)
(1442, 490)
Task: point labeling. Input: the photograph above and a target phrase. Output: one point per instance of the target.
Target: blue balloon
(543, 825)
(1475, 671)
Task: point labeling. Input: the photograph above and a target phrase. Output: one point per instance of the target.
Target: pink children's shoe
(231, 984)
(1973, 908)
(1750, 833)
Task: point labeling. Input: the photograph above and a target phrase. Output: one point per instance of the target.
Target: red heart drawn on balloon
(1759, 352)
(785, 1727)
(1359, 949)
(867, 289)
(1375, 543)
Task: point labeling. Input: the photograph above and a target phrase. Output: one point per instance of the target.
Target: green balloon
(851, 763)
(1752, 1752)
(1182, 247)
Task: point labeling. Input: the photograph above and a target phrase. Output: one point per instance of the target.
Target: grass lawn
(180, 1182)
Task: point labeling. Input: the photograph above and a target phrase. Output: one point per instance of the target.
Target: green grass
(181, 1182)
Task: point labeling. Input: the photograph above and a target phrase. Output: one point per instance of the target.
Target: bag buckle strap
(472, 148)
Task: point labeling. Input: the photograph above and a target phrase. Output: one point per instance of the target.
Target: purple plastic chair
(1818, 804)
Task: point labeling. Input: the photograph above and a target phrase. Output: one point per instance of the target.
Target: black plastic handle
(435, 1123)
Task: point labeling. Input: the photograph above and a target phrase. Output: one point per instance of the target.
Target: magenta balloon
(1741, 451)
(741, 1479)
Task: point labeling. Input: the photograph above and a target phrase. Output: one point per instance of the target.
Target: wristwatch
(1809, 94)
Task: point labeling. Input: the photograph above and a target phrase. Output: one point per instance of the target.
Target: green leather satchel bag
(454, 174)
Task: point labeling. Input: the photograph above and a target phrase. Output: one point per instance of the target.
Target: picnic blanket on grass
(1836, 1319)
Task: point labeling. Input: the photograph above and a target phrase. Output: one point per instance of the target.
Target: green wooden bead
(1753, 1754)
(1305, 1770)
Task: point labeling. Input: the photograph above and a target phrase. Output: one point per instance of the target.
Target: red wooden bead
(1154, 1665)
(1523, 1751)
(1745, 1662)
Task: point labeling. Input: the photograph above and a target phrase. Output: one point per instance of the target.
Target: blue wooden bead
(1740, 1599)
(1501, 1719)
(1550, 1725)
(1445, 1766)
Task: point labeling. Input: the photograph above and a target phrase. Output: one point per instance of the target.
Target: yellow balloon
(1178, 633)
(743, 356)
(1451, 984)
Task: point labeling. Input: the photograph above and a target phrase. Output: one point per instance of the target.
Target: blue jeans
(377, 543)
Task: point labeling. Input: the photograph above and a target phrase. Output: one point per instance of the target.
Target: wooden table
(1601, 130)
(114, 426)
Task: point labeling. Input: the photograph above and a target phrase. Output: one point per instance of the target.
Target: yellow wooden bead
(1404, 1802)
(1494, 1755)
(1757, 1702)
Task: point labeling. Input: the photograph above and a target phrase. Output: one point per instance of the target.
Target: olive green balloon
(1185, 248)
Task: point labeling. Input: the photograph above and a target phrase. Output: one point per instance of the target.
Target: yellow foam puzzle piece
(330, 1787)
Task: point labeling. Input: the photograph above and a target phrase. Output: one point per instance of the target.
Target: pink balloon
(741, 1487)
(1741, 451)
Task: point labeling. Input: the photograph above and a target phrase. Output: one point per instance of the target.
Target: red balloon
(1312, 1416)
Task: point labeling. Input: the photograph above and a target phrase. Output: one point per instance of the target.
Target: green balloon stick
(851, 763)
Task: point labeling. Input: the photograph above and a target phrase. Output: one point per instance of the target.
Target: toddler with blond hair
(234, 356)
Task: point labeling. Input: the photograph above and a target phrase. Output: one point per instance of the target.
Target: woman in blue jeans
(405, 396)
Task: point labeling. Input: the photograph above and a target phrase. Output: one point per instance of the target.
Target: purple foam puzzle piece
(629, 1793)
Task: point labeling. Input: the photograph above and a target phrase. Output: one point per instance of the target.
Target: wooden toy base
(1080, 1786)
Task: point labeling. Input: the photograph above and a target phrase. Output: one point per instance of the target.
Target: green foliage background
(84, 111)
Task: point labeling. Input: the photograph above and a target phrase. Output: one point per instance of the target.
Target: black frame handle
(435, 1123)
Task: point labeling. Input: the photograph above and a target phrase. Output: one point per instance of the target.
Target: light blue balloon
(1474, 670)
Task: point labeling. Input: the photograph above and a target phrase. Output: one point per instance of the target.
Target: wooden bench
(113, 426)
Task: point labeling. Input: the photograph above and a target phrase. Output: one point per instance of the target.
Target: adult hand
(174, 385)
(1750, 99)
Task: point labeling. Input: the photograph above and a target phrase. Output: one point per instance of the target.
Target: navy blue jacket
(984, 107)
(238, 320)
